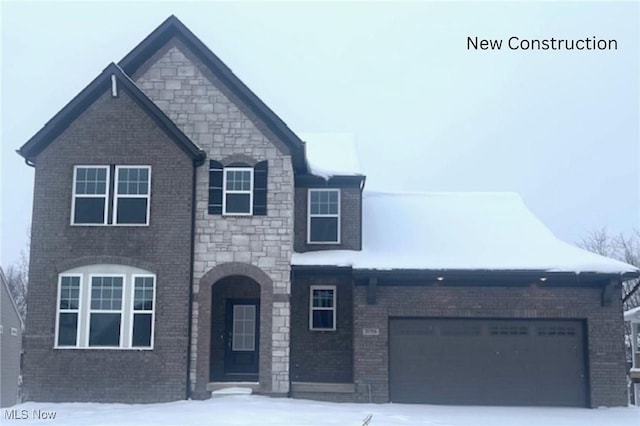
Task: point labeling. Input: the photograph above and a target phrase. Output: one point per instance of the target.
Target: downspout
(199, 161)
(291, 273)
(364, 179)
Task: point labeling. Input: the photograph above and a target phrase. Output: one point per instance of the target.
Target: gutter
(26, 160)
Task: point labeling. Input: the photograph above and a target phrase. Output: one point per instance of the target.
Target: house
(632, 316)
(184, 239)
(10, 345)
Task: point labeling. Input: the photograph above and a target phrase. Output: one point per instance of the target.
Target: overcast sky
(559, 127)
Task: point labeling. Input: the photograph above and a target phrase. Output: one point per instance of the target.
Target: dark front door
(241, 340)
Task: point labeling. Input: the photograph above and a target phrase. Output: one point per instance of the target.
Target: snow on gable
(331, 154)
(463, 231)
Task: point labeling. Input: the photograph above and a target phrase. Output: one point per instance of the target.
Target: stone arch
(202, 302)
(239, 158)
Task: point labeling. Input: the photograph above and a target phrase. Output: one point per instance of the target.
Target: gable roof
(461, 232)
(102, 83)
(5, 283)
(172, 27)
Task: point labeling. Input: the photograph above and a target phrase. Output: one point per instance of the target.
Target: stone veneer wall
(214, 119)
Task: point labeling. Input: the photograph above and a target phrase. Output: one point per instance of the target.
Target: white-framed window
(323, 218)
(105, 307)
(90, 195)
(105, 311)
(144, 299)
(238, 191)
(67, 319)
(322, 307)
(94, 204)
(14, 331)
(131, 201)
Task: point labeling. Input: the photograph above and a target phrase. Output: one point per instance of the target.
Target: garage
(488, 362)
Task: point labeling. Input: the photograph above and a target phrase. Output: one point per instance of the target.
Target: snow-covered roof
(331, 154)
(458, 231)
(632, 314)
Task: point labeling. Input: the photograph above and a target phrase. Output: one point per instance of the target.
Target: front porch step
(218, 389)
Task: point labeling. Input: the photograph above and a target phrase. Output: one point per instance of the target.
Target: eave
(97, 88)
(172, 27)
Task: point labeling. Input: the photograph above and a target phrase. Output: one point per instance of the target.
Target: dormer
(328, 199)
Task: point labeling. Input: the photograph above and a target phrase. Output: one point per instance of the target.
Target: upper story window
(322, 307)
(131, 204)
(323, 224)
(238, 189)
(93, 203)
(90, 195)
(105, 306)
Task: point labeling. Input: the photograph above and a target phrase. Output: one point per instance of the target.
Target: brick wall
(606, 356)
(111, 131)
(219, 123)
(350, 221)
(322, 356)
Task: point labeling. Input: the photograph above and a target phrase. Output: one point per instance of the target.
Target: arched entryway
(219, 286)
(235, 330)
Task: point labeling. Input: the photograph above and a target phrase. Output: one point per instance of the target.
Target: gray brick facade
(606, 353)
(350, 220)
(111, 131)
(322, 356)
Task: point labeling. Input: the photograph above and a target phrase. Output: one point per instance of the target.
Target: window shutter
(260, 189)
(215, 187)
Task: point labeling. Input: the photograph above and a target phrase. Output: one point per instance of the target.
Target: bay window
(105, 306)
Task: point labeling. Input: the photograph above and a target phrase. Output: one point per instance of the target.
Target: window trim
(312, 308)
(77, 311)
(133, 311)
(225, 191)
(338, 215)
(89, 310)
(84, 308)
(74, 195)
(116, 196)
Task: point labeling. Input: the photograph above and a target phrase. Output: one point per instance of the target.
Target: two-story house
(184, 239)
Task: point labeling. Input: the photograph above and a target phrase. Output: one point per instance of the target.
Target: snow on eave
(331, 154)
(460, 231)
(632, 315)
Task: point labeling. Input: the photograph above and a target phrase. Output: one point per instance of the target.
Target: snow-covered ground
(259, 411)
